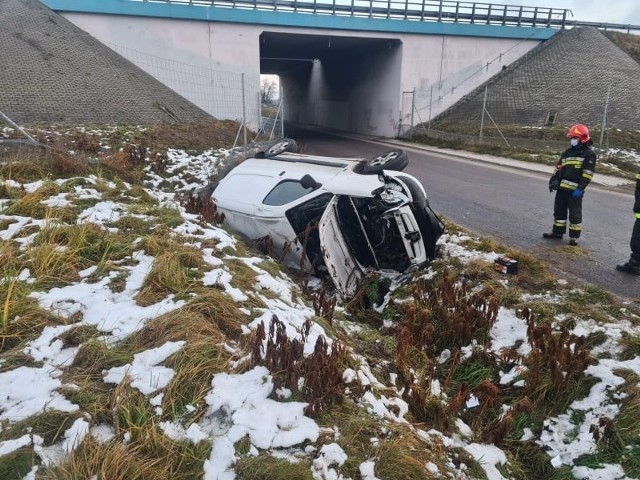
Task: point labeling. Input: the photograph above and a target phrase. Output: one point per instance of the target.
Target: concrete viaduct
(366, 66)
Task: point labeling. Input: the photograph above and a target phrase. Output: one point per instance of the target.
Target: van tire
(281, 146)
(396, 159)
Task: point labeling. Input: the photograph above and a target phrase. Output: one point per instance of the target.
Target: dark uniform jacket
(575, 168)
(635, 235)
(636, 205)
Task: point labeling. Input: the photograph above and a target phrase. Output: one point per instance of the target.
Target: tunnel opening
(349, 84)
(271, 120)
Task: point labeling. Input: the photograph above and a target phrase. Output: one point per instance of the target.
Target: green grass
(17, 464)
(265, 467)
(474, 371)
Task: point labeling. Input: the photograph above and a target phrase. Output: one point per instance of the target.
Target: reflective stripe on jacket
(577, 166)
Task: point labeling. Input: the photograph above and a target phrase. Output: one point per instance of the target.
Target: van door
(344, 270)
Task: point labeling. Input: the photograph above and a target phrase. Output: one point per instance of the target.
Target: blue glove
(577, 193)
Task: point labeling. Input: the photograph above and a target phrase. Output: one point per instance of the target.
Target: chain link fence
(426, 101)
(222, 94)
(489, 118)
(579, 76)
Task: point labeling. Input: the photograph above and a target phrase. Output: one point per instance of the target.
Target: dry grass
(538, 145)
(96, 356)
(25, 166)
(398, 454)
(122, 165)
(58, 252)
(21, 317)
(195, 365)
(244, 277)
(627, 42)
(422, 321)
(356, 431)
(113, 460)
(404, 457)
(170, 275)
(219, 308)
(50, 426)
(193, 136)
(53, 266)
(206, 323)
(29, 205)
(134, 225)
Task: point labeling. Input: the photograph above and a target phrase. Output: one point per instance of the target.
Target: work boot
(630, 267)
(552, 235)
(573, 241)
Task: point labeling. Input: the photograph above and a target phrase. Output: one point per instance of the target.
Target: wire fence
(491, 116)
(427, 101)
(222, 94)
(271, 121)
(530, 103)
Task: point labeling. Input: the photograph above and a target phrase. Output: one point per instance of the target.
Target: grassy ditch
(407, 377)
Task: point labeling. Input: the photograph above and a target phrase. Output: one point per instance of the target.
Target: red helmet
(579, 131)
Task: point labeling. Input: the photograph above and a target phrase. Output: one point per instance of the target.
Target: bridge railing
(418, 10)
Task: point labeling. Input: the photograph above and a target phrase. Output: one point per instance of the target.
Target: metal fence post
(484, 108)
(282, 113)
(260, 119)
(413, 106)
(604, 116)
(430, 103)
(244, 113)
(17, 127)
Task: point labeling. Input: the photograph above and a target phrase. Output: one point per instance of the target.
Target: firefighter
(633, 265)
(574, 171)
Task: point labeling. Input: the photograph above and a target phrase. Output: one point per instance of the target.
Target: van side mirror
(307, 181)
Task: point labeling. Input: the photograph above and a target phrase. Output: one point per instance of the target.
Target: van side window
(286, 192)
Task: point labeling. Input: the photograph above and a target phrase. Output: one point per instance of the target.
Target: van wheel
(281, 146)
(395, 159)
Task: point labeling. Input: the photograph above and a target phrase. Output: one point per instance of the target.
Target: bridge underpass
(365, 67)
(335, 82)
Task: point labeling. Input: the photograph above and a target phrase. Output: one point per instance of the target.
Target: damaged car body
(340, 217)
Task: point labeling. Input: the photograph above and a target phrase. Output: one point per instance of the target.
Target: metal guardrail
(425, 10)
(604, 26)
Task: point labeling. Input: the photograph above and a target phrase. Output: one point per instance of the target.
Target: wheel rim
(383, 159)
(278, 147)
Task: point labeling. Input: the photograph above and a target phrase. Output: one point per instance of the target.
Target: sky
(241, 405)
(612, 11)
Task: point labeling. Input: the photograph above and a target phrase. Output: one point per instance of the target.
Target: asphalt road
(513, 206)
